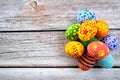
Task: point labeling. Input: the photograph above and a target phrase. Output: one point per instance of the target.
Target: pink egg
(98, 49)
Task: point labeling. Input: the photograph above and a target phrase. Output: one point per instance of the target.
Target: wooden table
(32, 42)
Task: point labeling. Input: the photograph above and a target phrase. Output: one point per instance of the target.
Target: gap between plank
(49, 67)
(16, 31)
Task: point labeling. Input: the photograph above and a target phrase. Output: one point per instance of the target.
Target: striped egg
(86, 62)
(71, 32)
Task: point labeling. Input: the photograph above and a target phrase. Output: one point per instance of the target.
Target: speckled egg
(71, 31)
(87, 30)
(84, 15)
(111, 41)
(74, 49)
(98, 49)
(85, 43)
(102, 28)
(86, 62)
(106, 62)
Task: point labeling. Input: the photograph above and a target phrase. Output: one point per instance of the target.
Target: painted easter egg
(86, 62)
(84, 15)
(111, 41)
(98, 49)
(85, 43)
(87, 30)
(71, 31)
(102, 28)
(106, 62)
(74, 49)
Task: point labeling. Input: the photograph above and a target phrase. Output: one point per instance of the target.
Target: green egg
(71, 32)
(85, 43)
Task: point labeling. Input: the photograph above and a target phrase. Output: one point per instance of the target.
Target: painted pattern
(74, 49)
(71, 32)
(84, 15)
(94, 47)
(102, 28)
(101, 53)
(98, 49)
(111, 41)
(87, 30)
(106, 62)
(86, 62)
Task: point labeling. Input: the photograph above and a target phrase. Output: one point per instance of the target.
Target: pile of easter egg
(90, 41)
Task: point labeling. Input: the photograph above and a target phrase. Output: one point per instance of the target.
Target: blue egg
(111, 41)
(106, 62)
(84, 15)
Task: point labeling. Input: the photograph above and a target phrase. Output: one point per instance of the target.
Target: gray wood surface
(39, 49)
(32, 39)
(56, 14)
(58, 74)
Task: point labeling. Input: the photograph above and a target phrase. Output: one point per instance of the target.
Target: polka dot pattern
(71, 32)
(111, 41)
(84, 15)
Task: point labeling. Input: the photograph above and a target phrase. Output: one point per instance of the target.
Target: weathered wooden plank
(39, 49)
(58, 74)
(56, 15)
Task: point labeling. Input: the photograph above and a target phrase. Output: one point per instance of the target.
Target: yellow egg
(102, 28)
(74, 49)
(87, 30)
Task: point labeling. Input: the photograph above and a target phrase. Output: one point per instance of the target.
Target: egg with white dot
(84, 15)
(111, 41)
(106, 62)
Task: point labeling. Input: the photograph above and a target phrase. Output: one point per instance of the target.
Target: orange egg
(87, 30)
(102, 28)
(98, 49)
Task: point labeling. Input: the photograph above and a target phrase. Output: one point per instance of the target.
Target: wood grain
(39, 49)
(58, 74)
(58, 14)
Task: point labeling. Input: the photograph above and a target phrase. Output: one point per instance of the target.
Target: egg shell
(87, 30)
(71, 31)
(84, 15)
(111, 41)
(86, 62)
(85, 43)
(102, 28)
(106, 62)
(74, 49)
(98, 49)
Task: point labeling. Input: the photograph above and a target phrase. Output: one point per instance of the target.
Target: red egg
(98, 49)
